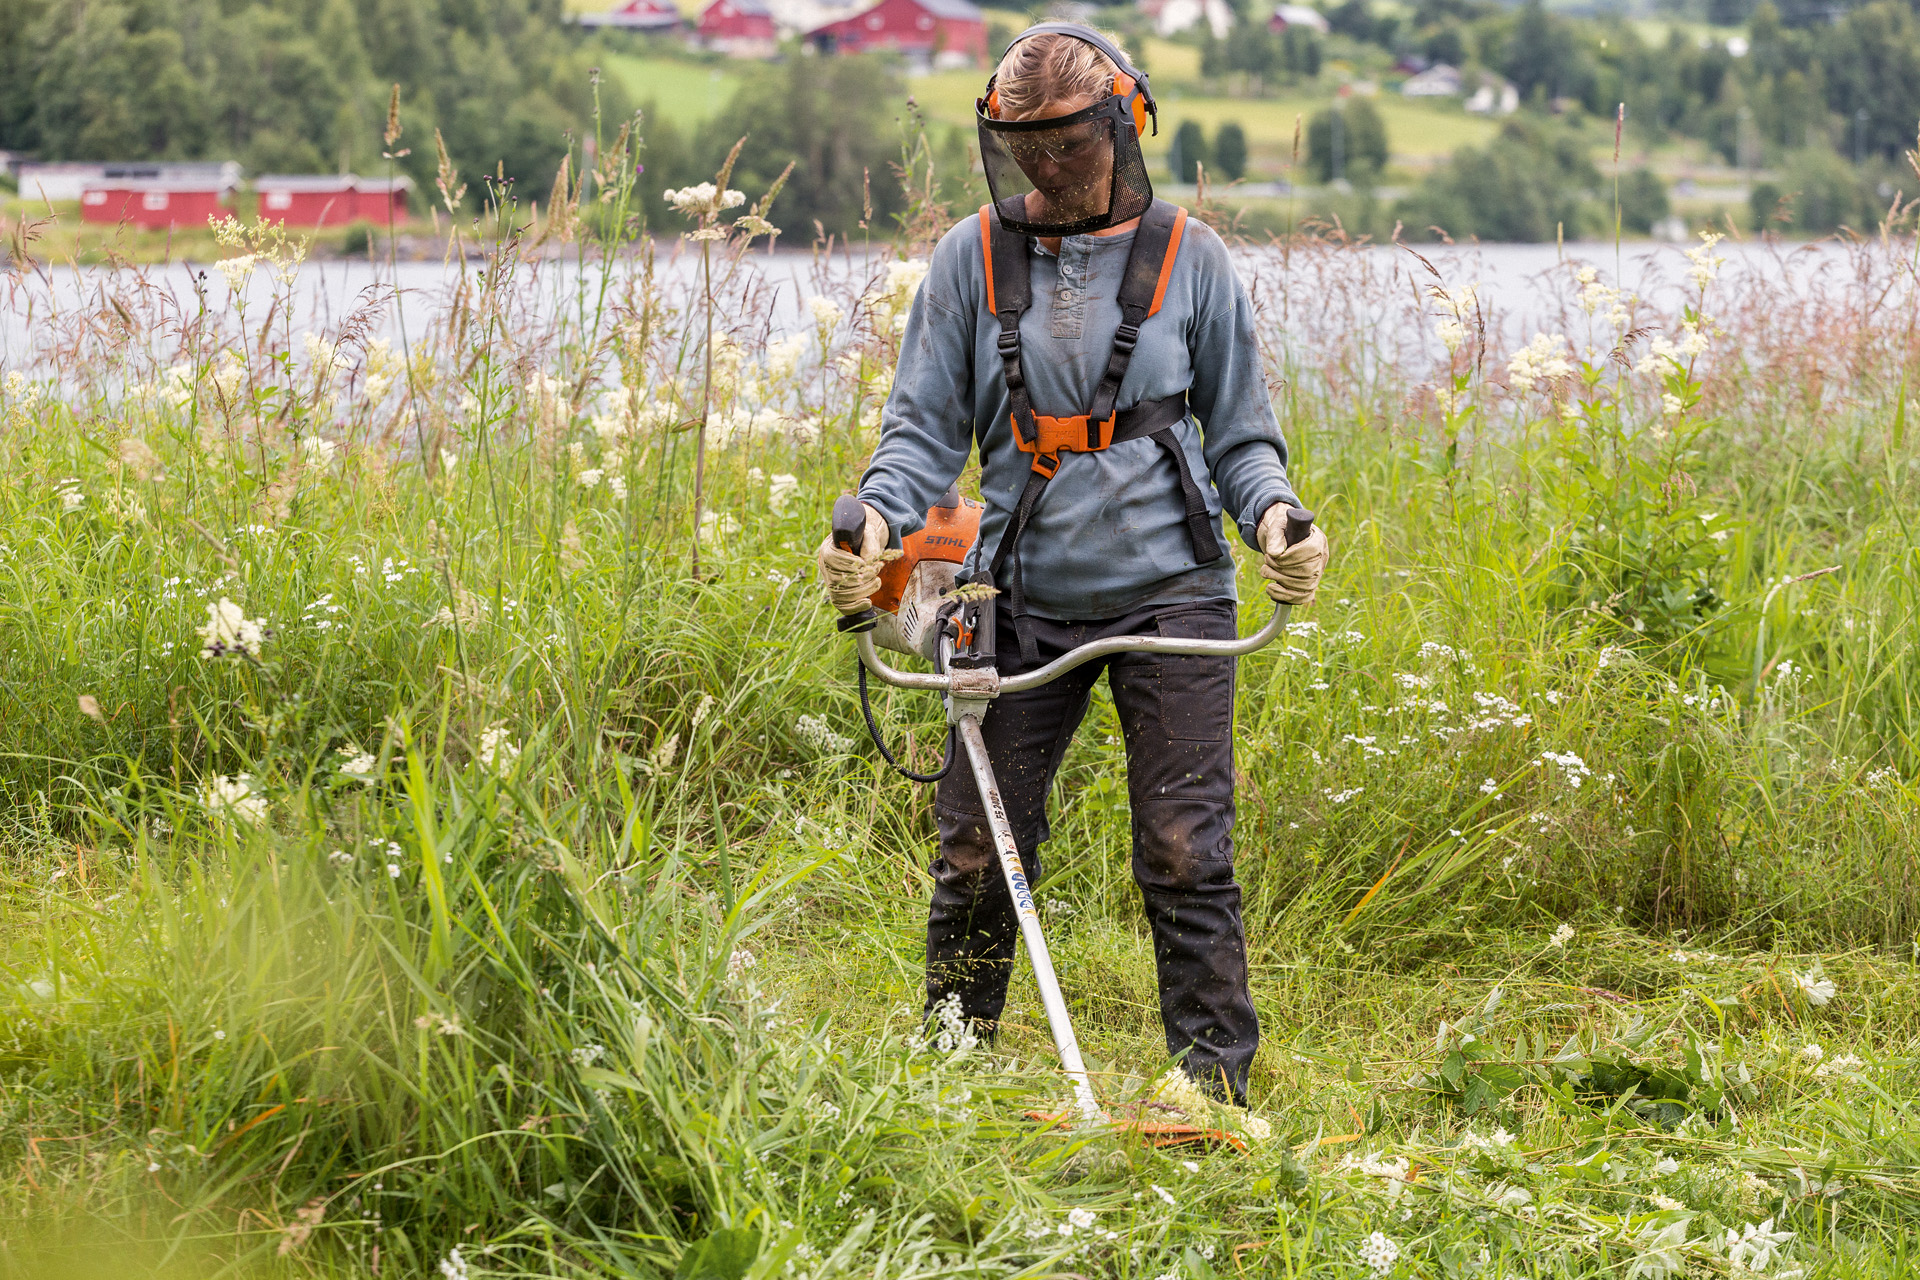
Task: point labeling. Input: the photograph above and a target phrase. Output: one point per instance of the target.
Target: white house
(1494, 97)
(1438, 81)
(1171, 17)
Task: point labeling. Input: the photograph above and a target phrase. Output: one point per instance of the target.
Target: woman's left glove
(851, 579)
(1292, 572)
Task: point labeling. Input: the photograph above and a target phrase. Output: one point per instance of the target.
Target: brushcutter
(924, 610)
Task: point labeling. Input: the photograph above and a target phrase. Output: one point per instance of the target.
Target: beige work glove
(1292, 573)
(851, 580)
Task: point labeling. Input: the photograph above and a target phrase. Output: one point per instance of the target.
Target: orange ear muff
(1126, 88)
(993, 103)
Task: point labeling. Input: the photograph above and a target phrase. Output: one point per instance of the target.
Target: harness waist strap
(1072, 435)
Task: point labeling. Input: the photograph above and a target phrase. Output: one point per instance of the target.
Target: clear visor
(1074, 173)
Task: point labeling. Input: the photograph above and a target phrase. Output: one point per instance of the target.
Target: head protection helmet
(1072, 173)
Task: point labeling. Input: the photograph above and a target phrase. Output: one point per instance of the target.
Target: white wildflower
(323, 356)
(1671, 405)
(357, 764)
(1561, 936)
(1812, 1052)
(826, 312)
(1080, 1219)
(497, 751)
(1541, 360)
(892, 299)
(703, 199)
(779, 489)
(591, 477)
(815, 731)
(378, 370)
(956, 1033)
(717, 526)
(230, 631)
(72, 498)
(1176, 1088)
(1488, 787)
(739, 962)
(587, 1054)
(234, 797)
(1165, 1195)
(318, 452)
(1666, 1204)
(783, 357)
(1815, 986)
(453, 1266)
(1379, 1253)
(1705, 262)
(237, 269)
(1845, 1064)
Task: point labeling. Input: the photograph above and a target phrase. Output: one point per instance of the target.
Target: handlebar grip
(849, 523)
(1299, 525)
(849, 531)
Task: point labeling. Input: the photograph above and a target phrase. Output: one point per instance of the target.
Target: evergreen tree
(1189, 151)
(1347, 141)
(1230, 151)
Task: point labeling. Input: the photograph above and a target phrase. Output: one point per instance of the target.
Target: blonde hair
(1051, 68)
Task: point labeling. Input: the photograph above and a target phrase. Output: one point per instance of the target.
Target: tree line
(300, 86)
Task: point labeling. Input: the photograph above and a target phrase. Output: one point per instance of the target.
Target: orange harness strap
(1143, 288)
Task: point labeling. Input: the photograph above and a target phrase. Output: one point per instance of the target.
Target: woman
(1075, 330)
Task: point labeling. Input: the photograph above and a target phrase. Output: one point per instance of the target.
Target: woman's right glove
(1292, 572)
(851, 580)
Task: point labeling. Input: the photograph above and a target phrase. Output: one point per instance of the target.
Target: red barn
(381, 199)
(152, 203)
(941, 32)
(744, 28)
(316, 200)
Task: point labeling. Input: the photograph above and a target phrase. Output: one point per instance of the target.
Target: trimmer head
(1154, 1124)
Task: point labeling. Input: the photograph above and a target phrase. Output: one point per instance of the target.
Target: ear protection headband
(1129, 84)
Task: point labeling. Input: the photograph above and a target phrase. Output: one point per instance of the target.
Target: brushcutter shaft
(1084, 1103)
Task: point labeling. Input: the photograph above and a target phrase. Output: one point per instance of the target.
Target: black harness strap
(1012, 296)
(1010, 261)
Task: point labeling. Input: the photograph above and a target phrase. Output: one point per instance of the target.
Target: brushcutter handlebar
(1299, 524)
(1172, 646)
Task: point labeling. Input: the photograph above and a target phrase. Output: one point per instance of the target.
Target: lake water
(1308, 294)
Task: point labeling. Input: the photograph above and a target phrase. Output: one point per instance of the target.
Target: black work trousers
(1176, 714)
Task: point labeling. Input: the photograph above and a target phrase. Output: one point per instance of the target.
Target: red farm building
(743, 28)
(636, 15)
(943, 33)
(317, 200)
(153, 202)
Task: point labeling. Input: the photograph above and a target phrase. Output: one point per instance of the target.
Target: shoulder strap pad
(1150, 265)
(1143, 287)
(1009, 264)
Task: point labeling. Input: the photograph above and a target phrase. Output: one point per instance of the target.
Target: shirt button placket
(1070, 299)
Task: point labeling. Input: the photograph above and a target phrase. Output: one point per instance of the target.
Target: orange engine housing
(952, 525)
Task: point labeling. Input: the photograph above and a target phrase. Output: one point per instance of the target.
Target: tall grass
(556, 913)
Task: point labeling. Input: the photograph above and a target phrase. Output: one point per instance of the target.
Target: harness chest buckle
(1077, 434)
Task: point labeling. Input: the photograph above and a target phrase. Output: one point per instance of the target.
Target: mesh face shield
(1066, 175)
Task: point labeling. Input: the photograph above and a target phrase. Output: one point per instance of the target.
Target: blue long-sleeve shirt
(1110, 533)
